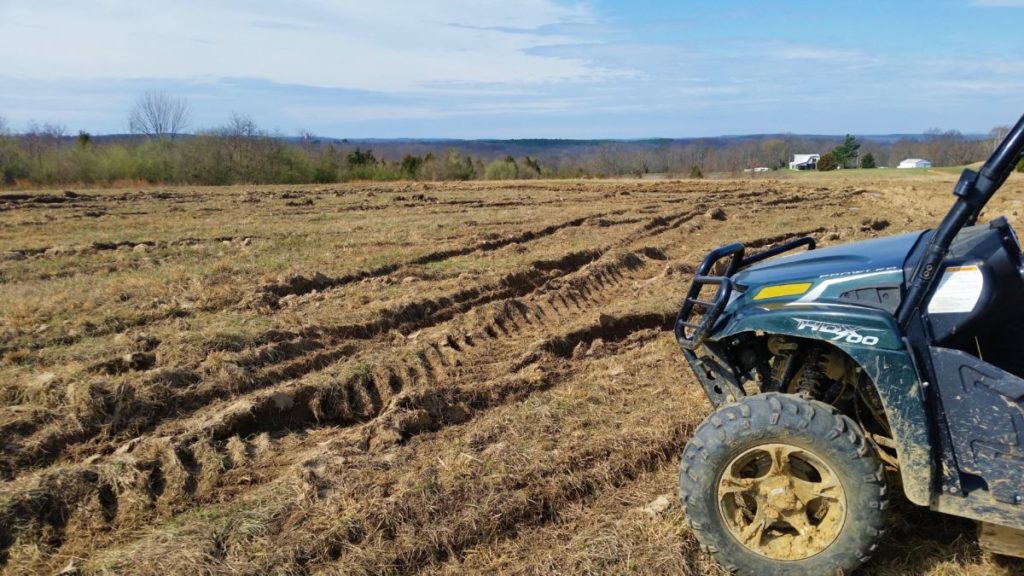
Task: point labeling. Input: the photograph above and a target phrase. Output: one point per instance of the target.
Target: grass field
(401, 378)
(875, 175)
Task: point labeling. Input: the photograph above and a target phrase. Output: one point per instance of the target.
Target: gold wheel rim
(782, 502)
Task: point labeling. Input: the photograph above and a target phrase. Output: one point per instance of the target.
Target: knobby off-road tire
(756, 470)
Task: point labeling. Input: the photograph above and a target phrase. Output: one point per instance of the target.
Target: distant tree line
(241, 152)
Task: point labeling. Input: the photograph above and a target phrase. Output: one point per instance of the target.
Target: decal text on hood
(836, 332)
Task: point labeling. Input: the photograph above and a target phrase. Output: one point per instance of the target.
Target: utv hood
(866, 257)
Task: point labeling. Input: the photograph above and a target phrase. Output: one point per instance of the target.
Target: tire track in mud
(269, 295)
(176, 391)
(289, 355)
(392, 319)
(128, 245)
(457, 206)
(501, 319)
(167, 478)
(533, 499)
(136, 408)
(401, 400)
(300, 285)
(359, 398)
(73, 267)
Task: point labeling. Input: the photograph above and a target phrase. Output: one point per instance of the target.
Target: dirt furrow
(134, 406)
(178, 476)
(388, 395)
(129, 245)
(301, 404)
(421, 516)
(299, 285)
(320, 350)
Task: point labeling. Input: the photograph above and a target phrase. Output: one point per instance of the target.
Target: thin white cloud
(786, 51)
(953, 87)
(961, 67)
(998, 3)
(382, 45)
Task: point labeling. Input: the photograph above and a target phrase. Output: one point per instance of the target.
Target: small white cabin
(804, 161)
(915, 163)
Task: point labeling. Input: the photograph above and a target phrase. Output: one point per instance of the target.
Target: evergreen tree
(411, 165)
(846, 152)
(360, 158)
(827, 162)
(868, 161)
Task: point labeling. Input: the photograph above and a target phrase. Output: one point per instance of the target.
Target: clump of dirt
(678, 269)
(570, 261)
(874, 224)
(132, 361)
(653, 253)
(298, 284)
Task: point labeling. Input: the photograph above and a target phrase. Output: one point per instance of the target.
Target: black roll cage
(973, 191)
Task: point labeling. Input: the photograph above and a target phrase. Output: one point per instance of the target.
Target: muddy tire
(776, 484)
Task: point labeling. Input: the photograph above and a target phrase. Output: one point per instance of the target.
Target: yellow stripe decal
(781, 290)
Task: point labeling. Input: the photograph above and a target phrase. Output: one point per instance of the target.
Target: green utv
(839, 373)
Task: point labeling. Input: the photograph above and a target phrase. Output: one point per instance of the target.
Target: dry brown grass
(457, 378)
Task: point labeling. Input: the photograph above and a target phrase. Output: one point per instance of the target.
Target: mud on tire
(731, 482)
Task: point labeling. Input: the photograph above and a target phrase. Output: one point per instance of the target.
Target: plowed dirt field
(386, 378)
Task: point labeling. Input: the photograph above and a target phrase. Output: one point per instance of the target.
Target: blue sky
(520, 68)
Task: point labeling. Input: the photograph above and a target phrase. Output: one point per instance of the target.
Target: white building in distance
(804, 161)
(915, 163)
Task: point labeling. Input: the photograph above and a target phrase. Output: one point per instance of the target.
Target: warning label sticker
(958, 291)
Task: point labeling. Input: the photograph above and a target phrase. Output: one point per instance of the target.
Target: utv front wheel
(776, 484)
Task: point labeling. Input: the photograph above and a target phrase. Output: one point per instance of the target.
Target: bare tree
(307, 139)
(239, 133)
(157, 115)
(697, 155)
(242, 126)
(40, 139)
(774, 153)
(996, 136)
(3, 126)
